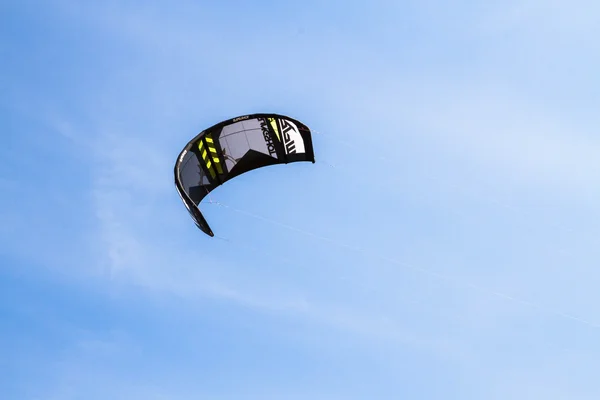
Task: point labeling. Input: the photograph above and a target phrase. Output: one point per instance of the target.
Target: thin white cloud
(144, 231)
(503, 131)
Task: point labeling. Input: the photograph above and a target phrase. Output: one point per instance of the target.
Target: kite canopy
(234, 147)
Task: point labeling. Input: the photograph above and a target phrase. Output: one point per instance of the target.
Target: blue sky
(444, 246)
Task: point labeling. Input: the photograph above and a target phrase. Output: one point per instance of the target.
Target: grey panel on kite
(234, 147)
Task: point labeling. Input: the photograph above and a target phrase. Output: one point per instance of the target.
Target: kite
(234, 147)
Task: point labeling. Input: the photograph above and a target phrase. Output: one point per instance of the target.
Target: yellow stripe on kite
(274, 126)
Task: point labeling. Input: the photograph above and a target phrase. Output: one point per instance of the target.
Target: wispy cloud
(458, 256)
(501, 131)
